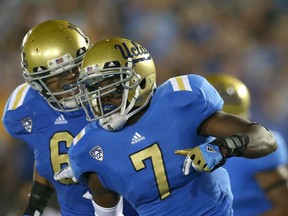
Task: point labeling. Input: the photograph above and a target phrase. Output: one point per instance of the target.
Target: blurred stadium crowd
(248, 39)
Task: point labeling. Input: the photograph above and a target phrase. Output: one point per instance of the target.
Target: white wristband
(113, 211)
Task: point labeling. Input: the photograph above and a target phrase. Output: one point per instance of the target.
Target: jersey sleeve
(78, 150)
(26, 112)
(85, 155)
(211, 97)
(196, 94)
(14, 111)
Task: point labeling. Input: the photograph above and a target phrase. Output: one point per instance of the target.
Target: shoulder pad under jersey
(187, 89)
(23, 105)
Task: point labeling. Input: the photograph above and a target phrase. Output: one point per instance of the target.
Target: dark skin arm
(221, 125)
(275, 185)
(41, 179)
(39, 195)
(261, 142)
(235, 136)
(103, 197)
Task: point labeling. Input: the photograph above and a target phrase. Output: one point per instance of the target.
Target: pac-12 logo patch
(27, 124)
(97, 153)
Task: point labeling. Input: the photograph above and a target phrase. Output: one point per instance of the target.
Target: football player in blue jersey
(260, 186)
(44, 112)
(136, 145)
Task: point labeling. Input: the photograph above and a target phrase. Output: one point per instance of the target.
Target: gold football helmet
(54, 48)
(234, 92)
(132, 72)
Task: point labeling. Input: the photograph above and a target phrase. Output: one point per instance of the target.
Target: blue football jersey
(27, 116)
(139, 162)
(249, 198)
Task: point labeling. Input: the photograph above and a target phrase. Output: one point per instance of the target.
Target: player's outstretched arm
(243, 138)
(235, 136)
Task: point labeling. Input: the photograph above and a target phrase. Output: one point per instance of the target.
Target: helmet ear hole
(143, 84)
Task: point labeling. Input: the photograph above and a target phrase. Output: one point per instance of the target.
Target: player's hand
(64, 173)
(203, 158)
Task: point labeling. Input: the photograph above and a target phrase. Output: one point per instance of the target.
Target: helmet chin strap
(114, 122)
(70, 102)
(118, 120)
(66, 103)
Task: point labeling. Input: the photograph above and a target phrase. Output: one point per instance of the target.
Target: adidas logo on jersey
(60, 120)
(137, 138)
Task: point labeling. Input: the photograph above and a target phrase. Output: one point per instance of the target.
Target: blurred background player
(260, 186)
(43, 112)
(140, 128)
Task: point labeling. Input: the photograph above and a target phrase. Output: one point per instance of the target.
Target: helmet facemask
(93, 93)
(63, 66)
